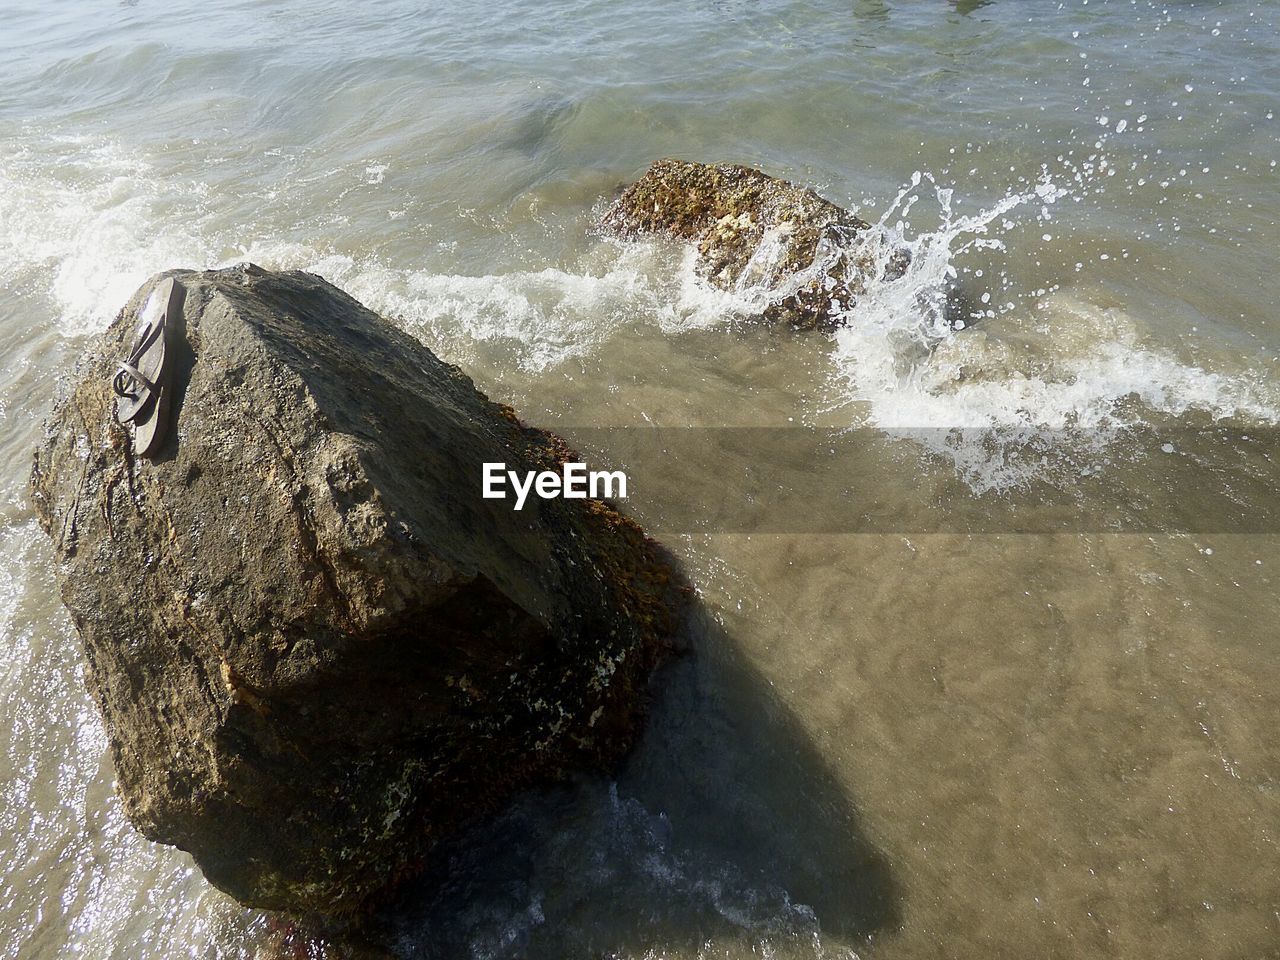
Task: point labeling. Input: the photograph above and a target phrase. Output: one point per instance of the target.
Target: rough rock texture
(756, 234)
(318, 650)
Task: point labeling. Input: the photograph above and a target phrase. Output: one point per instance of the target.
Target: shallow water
(911, 728)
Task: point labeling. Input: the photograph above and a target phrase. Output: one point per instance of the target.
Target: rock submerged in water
(757, 233)
(317, 649)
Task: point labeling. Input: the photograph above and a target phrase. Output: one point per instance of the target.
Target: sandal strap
(126, 372)
(144, 344)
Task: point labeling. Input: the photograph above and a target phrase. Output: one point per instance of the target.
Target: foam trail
(905, 368)
(541, 318)
(88, 221)
(84, 222)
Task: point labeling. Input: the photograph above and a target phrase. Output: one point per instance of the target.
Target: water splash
(1042, 362)
(540, 319)
(88, 220)
(83, 221)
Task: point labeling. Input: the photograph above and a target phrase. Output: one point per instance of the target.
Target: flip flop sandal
(141, 382)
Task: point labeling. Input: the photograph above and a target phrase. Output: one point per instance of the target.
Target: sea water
(1043, 728)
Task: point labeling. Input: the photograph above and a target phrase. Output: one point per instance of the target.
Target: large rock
(317, 649)
(757, 234)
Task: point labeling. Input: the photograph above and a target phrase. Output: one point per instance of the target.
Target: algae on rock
(755, 233)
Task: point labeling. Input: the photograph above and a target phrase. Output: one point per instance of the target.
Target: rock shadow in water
(724, 825)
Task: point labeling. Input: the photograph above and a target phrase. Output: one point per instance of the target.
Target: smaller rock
(757, 234)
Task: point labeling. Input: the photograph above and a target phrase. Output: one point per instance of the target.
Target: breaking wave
(903, 356)
(85, 221)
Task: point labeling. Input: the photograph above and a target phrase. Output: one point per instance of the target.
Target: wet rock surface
(318, 651)
(757, 234)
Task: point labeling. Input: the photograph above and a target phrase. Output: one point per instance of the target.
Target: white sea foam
(901, 363)
(87, 221)
(544, 317)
